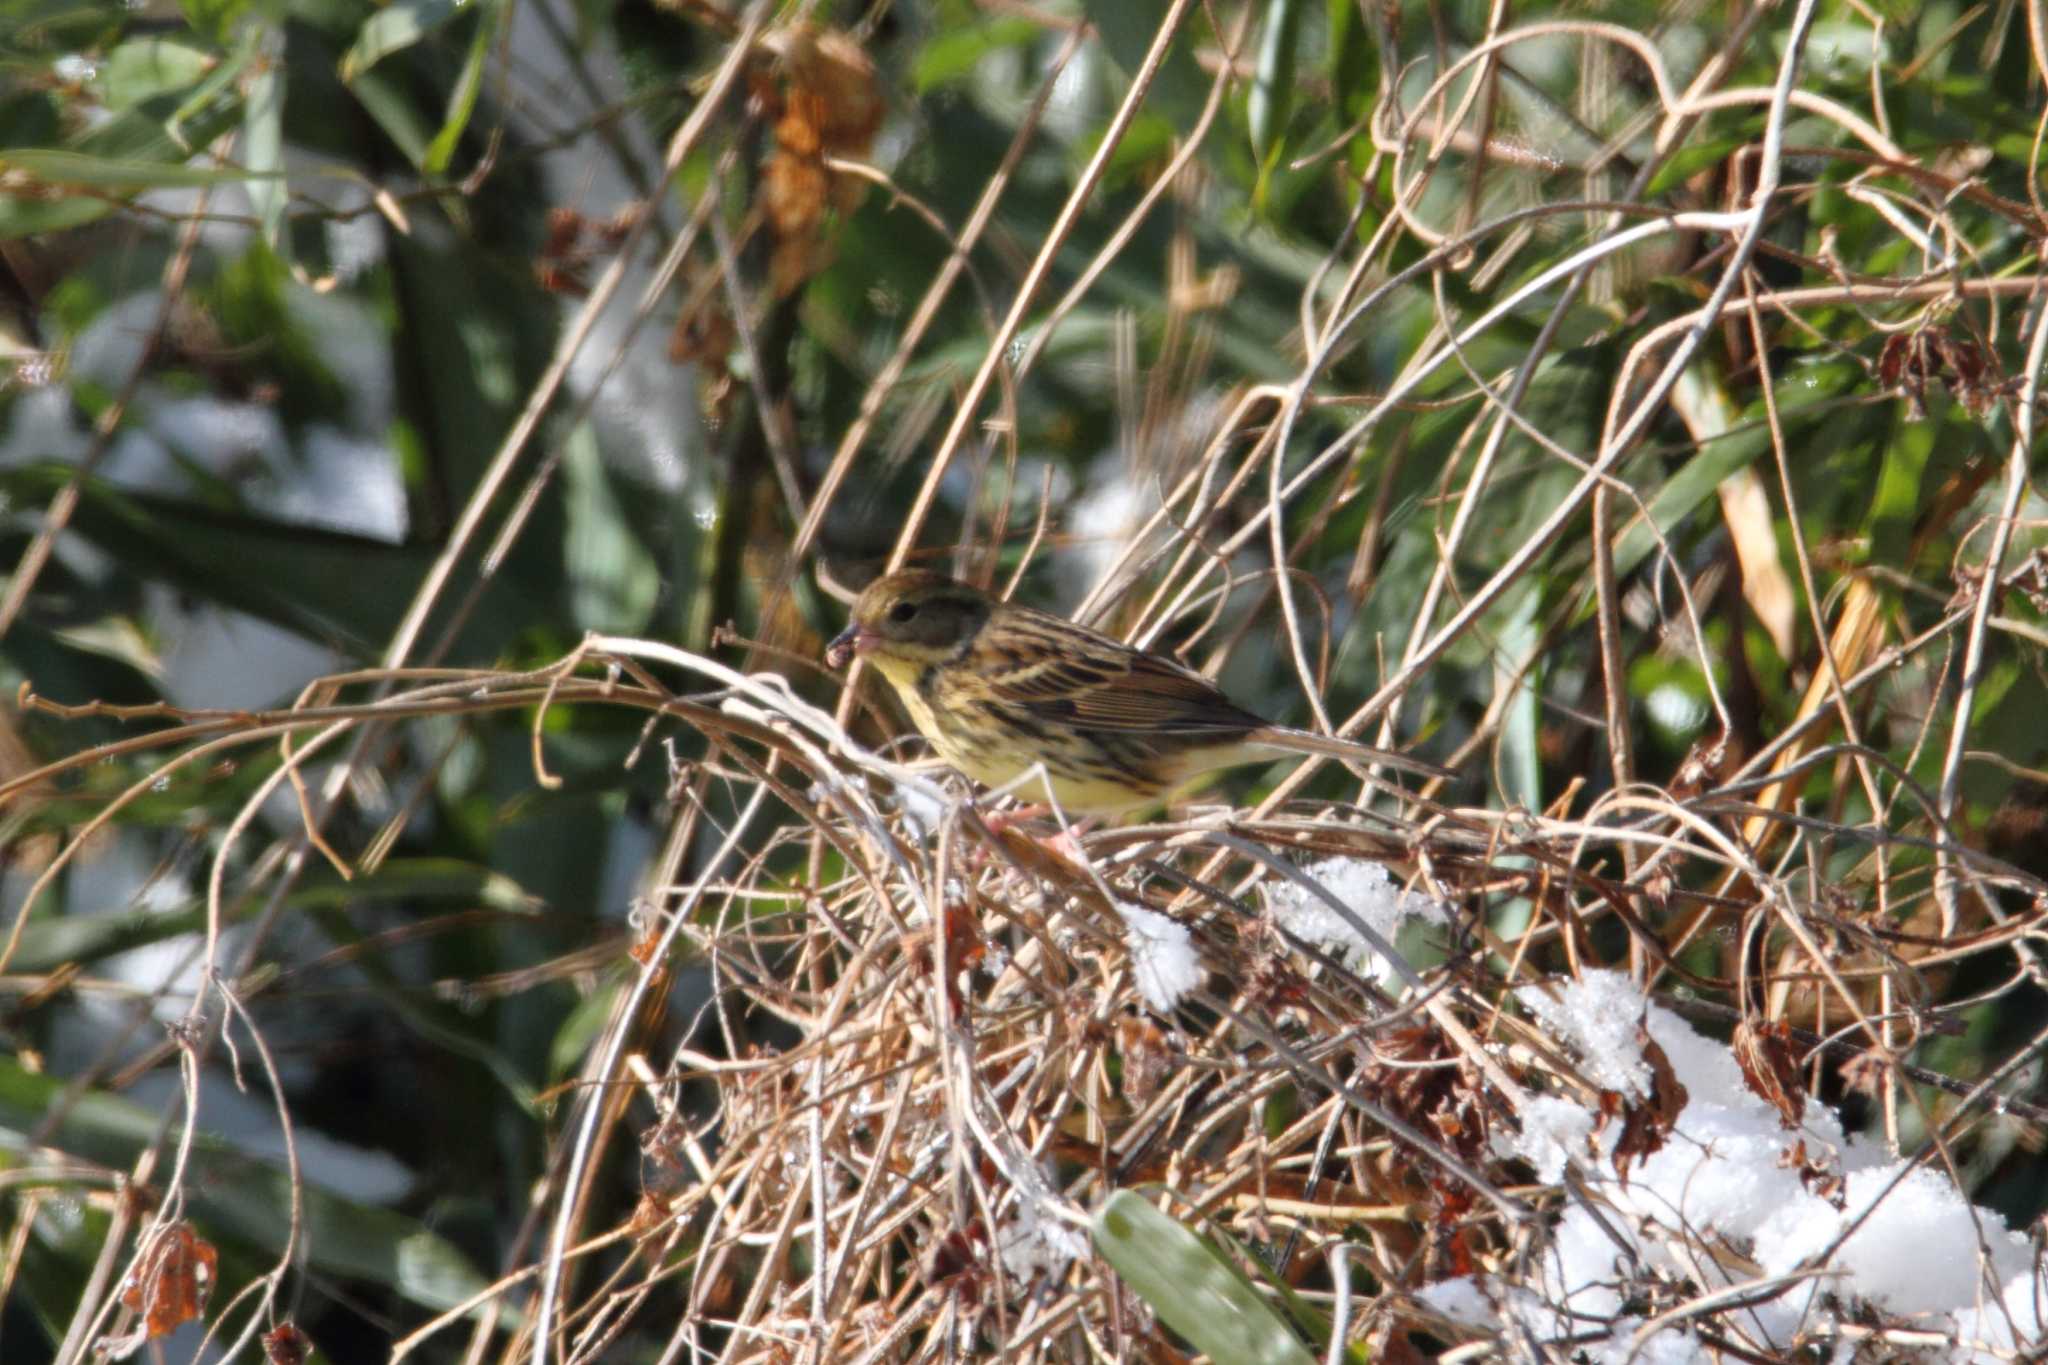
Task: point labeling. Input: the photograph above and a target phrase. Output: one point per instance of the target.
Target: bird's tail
(1345, 750)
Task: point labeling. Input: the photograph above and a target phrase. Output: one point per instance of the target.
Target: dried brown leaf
(169, 1287)
(1770, 1066)
(1646, 1124)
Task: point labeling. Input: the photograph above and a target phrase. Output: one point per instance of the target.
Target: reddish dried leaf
(1910, 362)
(958, 1261)
(285, 1344)
(559, 279)
(1891, 360)
(1457, 1256)
(1701, 768)
(171, 1283)
(1645, 1125)
(1450, 1247)
(574, 241)
(1769, 1065)
(1864, 1073)
(565, 228)
(1145, 1057)
(965, 947)
(612, 231)
(793, 190)
(796, 132)
(646, 946)
(794, 261)
(828, 104)
(1397, 1349)
(704, 335)
(829, 72)
(649, 1214)
(1821, 1179)
(951, 1255)
(1429, 1083)
(1266, 973)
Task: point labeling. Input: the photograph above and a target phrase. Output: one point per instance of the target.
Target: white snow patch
(1599, 1017)
(1727, 1187)
(1553, 1131)
(1031, 1245)
(1163, 957)
(1371, 893)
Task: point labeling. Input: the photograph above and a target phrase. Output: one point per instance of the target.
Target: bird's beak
(849, 642)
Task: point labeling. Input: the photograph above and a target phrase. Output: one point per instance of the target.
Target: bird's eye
(903, 611)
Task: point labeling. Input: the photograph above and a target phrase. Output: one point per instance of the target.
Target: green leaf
(49, 940)
(1683, 492)
(1354, 75)
(24, 217)
(422, 884)
(953, 56)
(462, 100)
(614, 580)
(1305, 1314)
(212, 100)
(1128, 27)
(1146, 144)
(1895, 504)
(147, 67)
(1521, 671)
(578, 1032)
(390, 104)
(235, 1194)
(1689, 160)
(29, 118)
(1840, 50)
(393, 29)
(263, 143)
(1192, 1288)
(1271, 101)
(56, 167)
(48, 29)
(216, 19)
(422, 881)
(339, 589)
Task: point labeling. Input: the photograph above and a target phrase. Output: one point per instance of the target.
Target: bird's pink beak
(849, 642)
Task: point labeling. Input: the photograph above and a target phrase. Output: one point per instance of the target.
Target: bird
(999, 689)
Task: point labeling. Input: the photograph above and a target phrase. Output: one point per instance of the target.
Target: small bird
(1000, 688)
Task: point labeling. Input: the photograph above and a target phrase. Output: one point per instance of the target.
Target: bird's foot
(1065, 844)
(1003, 821)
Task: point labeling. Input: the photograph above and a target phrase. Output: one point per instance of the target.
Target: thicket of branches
(451, 914)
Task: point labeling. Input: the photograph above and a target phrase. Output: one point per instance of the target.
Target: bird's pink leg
(1003, 821)
(1065, 845)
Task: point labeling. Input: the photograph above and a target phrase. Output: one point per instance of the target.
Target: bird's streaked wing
(1061, 672)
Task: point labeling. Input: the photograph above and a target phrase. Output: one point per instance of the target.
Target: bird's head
(907, 621)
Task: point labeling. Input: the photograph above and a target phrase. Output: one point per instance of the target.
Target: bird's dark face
(908, 621)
